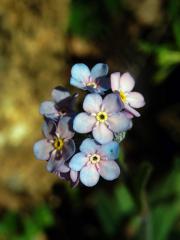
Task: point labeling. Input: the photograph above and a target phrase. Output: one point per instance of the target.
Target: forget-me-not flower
(58, 145)
(61, 105)
(95, 160)
(93, 81)
(102, 117)
(124, 85)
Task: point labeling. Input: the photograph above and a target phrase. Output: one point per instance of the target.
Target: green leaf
(163, 218)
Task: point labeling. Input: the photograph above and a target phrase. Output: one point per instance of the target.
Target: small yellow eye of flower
(58, 143)
(123, 96)
(91, 84)
(101, 117)
(95, 158)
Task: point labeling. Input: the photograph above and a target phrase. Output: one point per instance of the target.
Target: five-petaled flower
(60, 106)
(95, 160)
(57, 147)
(123, 85)
(102, 117)
(94, 81)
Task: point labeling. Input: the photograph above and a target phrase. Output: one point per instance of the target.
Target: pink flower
(124, 85)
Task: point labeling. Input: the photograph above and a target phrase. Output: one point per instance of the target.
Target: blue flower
(102, 117)
(93, 81)
(60, 106)
(58, 145)
(95, 160)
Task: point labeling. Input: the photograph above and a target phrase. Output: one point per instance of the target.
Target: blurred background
(39, 42)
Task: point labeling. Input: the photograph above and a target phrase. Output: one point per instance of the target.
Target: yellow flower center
(95, 158)
(58, 143)
(91, 84)
(123, 96)
(101, 117)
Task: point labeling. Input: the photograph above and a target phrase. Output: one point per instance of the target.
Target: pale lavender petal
(110, 150)
(73, 175)
(59, 94)
(132, 110)
(68, 149)
(48, 109)
(135, 100)
(83, 123)
(63, 168)
(126, 82)
(118, 122)
(55, 165)
(111, 103)
(88, 146)
(92, 103)
(42, 149)
(109, 170)
(78, 161)
(89, 175)
(80, 72)
(102, 134)
(128, 114)
(99, 70)
(63, 128)
(115, 81)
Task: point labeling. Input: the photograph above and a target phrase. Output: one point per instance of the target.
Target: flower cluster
(107, 114)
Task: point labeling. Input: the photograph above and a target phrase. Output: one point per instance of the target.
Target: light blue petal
(111, 103)
(89, 175)
(111, 150)
(102, 134)
(80, 72)
(88, 146)
(77, 83)
(42, 149)
(59, 94)
(99, 70)
(78, 161)
(109, 170)
(92, 103)
(83, 123)
(48, 109)
(119, 122)
(63, 128)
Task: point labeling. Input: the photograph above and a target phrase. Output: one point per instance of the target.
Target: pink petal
(115, 81)
(119, 122)
(109, 170)
(126, 82)
(73, 175)
(135, 100)
(132, 110)
(102, 134)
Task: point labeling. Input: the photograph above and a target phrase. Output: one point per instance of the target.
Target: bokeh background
(40, 40)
